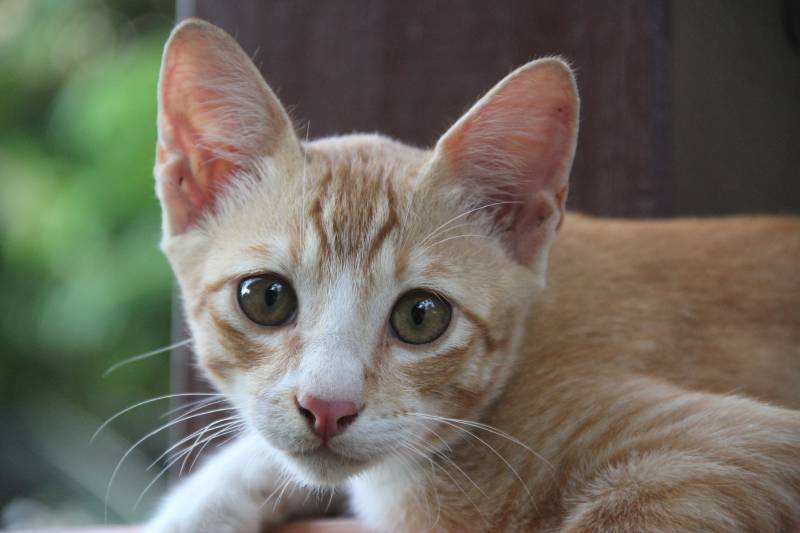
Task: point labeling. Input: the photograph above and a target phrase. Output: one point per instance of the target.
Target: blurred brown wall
(735, 107)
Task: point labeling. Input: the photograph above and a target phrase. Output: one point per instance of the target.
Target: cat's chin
(325, 467)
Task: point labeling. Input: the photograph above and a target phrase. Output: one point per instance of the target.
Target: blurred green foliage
(83, 282)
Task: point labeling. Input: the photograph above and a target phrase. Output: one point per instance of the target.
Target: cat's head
(345, 292)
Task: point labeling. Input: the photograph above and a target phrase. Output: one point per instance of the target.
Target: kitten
(378, 314)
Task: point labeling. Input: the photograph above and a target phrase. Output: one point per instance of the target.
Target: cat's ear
(216, 118)
(514, 149)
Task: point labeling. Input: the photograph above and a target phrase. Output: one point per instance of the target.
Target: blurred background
(82, 282)
(689, 107)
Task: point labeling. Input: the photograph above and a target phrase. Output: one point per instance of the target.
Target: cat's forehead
(351, 203)
(372, 149)
(359, 201)
(361, 171)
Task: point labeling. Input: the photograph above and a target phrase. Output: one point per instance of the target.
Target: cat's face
(344, 251)
(345, 292)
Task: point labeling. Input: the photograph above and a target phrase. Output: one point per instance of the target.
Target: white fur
(228, 494)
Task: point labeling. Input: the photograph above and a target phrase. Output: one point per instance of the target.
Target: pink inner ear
(201, 174)
(189, 174)
(525, 129)
(216, 116)
(517, 144)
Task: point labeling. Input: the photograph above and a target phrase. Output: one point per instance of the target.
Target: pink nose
(327, 418)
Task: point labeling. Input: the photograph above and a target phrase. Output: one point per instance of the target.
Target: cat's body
(644, 376)
(637, 314)
(708, 304)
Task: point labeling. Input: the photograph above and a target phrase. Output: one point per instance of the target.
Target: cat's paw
(232, 492)
(186, 511)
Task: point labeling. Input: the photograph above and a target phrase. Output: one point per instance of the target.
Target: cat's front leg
(239, 490)
(714, 464)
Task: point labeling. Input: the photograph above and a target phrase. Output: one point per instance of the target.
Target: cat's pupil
(272, 293)
(419, 310)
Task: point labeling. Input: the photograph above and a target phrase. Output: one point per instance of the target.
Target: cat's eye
(268, 300)
(420, 317)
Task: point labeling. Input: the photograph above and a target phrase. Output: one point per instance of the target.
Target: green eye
(420, 317)
(268, 300)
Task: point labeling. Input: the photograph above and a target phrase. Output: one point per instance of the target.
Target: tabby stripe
(388, 225)
(431, 373)
(206, 293)
(316, 216)
(218, 367)
(491, 344)
(236, 342)
(575, 452)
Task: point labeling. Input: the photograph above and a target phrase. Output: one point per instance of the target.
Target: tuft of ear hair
(514, 148)
(216, 118)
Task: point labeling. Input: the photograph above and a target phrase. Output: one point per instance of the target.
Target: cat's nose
(327, 418)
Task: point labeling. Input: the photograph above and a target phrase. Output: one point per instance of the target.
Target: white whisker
(138, 442)
(446, 230)
(467, 213)
(171, 462)
(490, 447)
(427, 428)
(330, 500)
(305, 500)
(450, 461)
(195, 405)
(285, 478)
(145, 402)
(491, 429)
(411, 447)
(409, 461)
(187, 438)
(156, 478)
(225, 430)
(457, 237)
(145, 355)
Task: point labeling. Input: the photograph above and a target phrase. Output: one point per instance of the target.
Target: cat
(417, 328)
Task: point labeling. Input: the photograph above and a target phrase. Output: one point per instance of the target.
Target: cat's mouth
(323, 452)
(328, 466)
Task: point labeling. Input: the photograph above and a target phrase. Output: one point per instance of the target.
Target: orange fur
(633, 376)
(639, 315)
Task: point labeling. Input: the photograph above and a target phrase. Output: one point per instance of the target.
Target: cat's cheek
(221, 374)
(271, 412)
